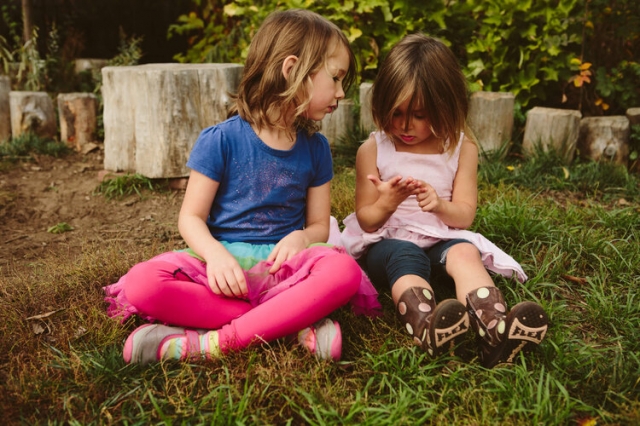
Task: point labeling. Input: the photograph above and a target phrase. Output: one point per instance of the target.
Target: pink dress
(409, 222)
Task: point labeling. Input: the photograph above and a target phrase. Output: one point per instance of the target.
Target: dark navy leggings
(388, 260)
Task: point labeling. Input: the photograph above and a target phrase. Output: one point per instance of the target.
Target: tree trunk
(27, 21)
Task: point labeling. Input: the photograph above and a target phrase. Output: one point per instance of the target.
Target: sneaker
(154, 342)
(526, 326)
(323, 339)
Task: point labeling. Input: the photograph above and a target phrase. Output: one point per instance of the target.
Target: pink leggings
(157, 290)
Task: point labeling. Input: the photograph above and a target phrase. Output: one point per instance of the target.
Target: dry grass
(60, 355)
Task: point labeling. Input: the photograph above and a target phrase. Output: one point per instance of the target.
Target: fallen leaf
(577, 280)
(89, 147)
(37, 328)
(587, 421)
(46, 315)
(81, 331)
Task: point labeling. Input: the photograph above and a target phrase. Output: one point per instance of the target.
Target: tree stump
(336, 124)
(32, 112)
(78, 120)
(605, 138)
(5, 111)
(366, 119)
(154, 113)
(491, 118)
(633, 114)
(550, 128)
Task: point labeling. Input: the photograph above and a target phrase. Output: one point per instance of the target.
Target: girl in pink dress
(416, 193)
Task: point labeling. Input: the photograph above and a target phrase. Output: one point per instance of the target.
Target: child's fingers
(275, 267)
(229, 284)
(396, 180)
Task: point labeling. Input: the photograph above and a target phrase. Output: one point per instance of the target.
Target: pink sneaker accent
(323, 339)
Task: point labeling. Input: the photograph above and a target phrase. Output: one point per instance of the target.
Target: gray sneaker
(144, 344)
(323, 339)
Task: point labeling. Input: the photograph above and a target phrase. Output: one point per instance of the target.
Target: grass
(579, 245)
(120, 186)
(26, 145)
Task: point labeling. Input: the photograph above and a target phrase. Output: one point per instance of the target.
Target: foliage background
(578, 54)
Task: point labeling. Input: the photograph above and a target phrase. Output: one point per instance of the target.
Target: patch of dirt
(36, 196)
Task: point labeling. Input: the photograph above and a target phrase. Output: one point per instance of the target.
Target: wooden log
(78, 118)
(32, 112)
(5, 110)
(336, 124)
(551, 128)
(605, 138)
(633, 114)
(118, 117)
(491, 119)
(154, 113)
(366, 119)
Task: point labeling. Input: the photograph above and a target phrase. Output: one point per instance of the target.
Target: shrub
(534, 49)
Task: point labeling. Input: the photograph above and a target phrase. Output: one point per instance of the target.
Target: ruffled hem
(355, 241)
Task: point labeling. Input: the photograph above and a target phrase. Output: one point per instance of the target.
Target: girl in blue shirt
(258, 196)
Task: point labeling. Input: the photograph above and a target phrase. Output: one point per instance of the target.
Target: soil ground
(45, 192)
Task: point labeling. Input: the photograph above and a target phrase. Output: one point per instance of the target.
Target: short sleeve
(208, 154)
(323, 163)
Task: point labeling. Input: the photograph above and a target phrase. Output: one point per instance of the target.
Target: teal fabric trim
(247, 255)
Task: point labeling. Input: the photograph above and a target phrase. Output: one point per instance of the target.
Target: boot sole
(527, 325)
(449, 324)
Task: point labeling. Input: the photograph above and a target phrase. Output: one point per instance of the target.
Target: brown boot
(436, 329)
(502, 336)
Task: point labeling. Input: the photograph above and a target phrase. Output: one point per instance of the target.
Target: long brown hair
(264, 94)
(425, 71)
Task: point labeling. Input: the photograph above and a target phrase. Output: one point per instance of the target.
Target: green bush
(534, 49)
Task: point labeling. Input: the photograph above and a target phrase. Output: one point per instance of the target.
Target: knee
(143, 281)
(463, 253)
(342, 271)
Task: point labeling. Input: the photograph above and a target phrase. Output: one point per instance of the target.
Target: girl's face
(327, 85)
(412, 131)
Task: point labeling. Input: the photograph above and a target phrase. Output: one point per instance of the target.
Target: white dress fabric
(409, 222)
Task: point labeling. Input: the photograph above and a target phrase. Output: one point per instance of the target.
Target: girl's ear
(288, 64)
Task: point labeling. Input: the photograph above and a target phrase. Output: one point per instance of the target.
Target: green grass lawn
(575, 230)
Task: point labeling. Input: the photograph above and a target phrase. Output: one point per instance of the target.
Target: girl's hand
(428, 199)
(286, 248)
(226, 277)
(394, 191)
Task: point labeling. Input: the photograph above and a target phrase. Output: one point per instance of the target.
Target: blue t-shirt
(262, 193)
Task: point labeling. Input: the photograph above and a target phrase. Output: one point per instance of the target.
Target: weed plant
(26, 145)
(118, 187)
(61, 362)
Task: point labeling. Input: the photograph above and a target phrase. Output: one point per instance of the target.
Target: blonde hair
(264, 94)
(425, 71)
